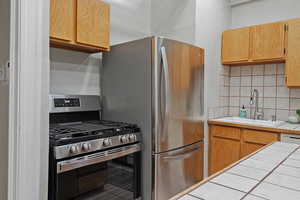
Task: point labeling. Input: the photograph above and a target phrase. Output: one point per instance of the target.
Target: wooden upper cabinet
(81, 25)
(93, 23)
(235, 45)
(62, 19)
(293, 56)
(268, 42)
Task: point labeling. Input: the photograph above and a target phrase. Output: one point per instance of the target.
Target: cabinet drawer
(226, 132)
(259, 137)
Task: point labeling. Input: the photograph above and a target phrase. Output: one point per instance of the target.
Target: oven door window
(117, 179)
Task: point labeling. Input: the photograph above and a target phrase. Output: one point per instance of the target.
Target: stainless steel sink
(254, 122)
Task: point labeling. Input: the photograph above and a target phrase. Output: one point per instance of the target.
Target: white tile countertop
(281, 126)
(272, 173)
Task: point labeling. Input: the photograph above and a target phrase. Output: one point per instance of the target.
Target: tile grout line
(283, 186)
(236, 164)
(232, 173)
(195, 196)
(280, 92)
(291, 166)
(227, 187)
(267, 175)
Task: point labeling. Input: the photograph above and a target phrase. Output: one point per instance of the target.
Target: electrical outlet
(4, 71)
(7, 66)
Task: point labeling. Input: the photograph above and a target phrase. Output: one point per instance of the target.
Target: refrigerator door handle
(182, 155)
(167, 94)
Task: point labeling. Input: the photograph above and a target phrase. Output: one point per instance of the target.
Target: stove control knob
(74, 149)
(132, 138)
(123, 139)
(86, 147)
(106, 142)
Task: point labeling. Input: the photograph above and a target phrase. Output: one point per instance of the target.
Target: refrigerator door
(178, 84)
(177, 170)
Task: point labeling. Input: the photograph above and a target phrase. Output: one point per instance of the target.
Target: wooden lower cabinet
(253, 140)
(224, 147)
(229, 144)
(223, 153)
(248, 148)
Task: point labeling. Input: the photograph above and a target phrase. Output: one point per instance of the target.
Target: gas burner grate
(73, 132)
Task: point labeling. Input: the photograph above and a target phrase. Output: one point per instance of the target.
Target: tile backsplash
(236, 83)
(269, 80)
(223, 108)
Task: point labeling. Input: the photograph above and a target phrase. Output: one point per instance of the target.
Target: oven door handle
(68, 165)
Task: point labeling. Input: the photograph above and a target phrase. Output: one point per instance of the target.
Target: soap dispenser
(243, 112)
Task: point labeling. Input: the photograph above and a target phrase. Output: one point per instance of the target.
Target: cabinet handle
(286, 28)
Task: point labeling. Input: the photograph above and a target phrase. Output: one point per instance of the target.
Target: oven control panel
(70, 150)
(74, 103)
(66, 102)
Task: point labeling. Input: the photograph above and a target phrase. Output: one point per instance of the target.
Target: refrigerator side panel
(178, 88)
(126, 94)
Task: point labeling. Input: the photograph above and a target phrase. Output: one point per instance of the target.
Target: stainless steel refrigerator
(158, 83)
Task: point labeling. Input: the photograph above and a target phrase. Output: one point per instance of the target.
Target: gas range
(76, 127)
(88, 155)
(71, 139)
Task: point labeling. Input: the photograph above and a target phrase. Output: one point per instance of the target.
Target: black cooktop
(67, 133)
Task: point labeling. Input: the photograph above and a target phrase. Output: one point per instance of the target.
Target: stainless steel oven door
(100, 175)
(91, 159)
(177, 170)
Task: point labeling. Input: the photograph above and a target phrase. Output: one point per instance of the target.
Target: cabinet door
(223, 153)
(62, 19)
(293, 56)
(253, 140)
(93, 23)
(248, 148)
(235, 45)
(268, 42)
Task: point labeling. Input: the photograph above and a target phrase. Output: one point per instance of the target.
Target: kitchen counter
(272, 173)
(278, 126)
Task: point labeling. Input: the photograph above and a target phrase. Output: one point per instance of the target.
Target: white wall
(130, 20)
(4, 96)
(212, 18)
(174, 19)
(264, 11)
(74, 72)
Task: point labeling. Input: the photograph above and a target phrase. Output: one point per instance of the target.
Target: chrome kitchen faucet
(254, 97)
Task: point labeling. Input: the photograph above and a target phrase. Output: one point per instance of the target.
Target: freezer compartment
(177, 170)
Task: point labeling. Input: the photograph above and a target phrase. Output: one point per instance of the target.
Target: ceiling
(238, 2)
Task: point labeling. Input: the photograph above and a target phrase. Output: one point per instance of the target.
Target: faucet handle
(273, 118)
